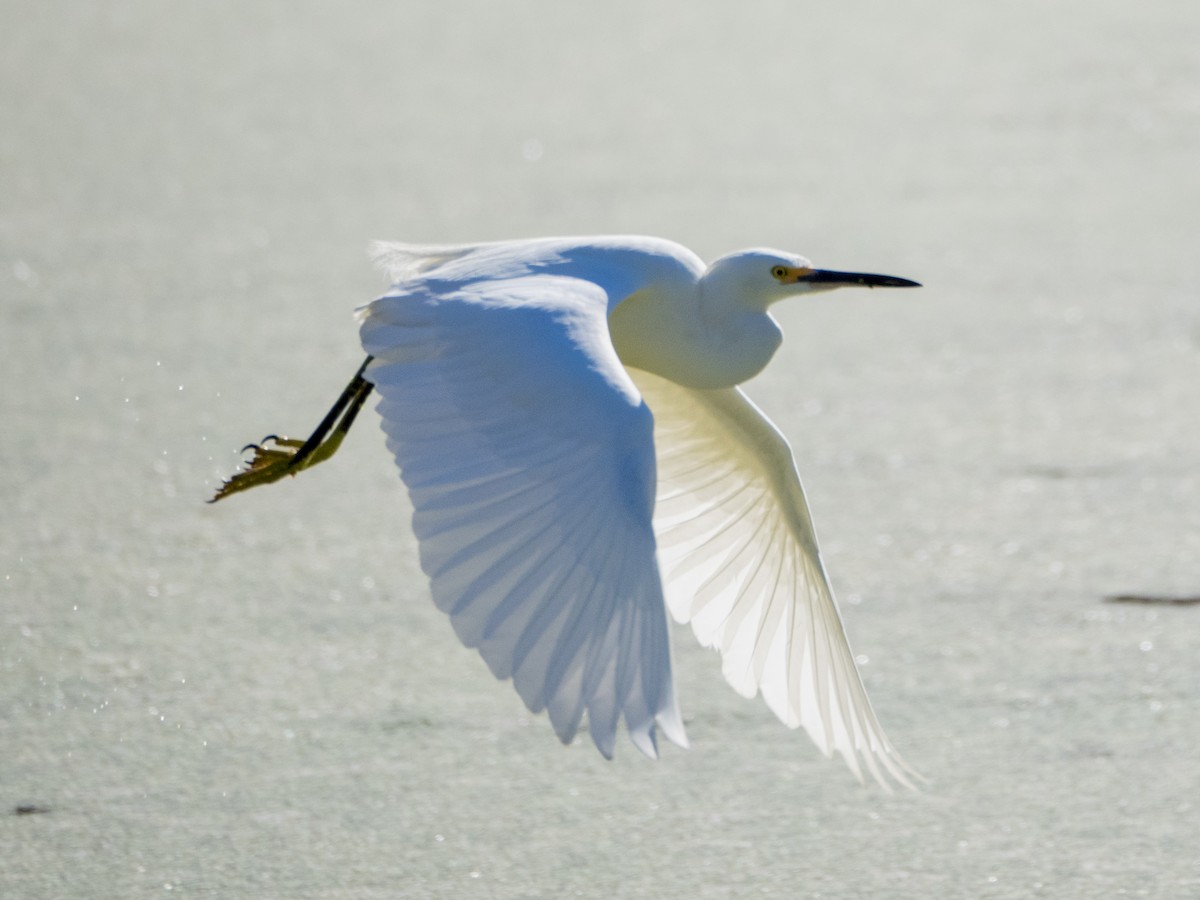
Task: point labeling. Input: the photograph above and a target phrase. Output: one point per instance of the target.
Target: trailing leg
(278, 456)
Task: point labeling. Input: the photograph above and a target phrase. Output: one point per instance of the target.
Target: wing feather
(741, 564)
(528, 456)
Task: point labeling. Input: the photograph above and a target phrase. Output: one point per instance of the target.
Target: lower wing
(740, 562)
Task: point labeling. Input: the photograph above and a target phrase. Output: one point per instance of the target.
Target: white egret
(566, 416)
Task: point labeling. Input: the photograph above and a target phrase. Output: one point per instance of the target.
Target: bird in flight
(567, 418)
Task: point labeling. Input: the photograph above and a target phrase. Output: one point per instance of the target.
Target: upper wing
(529, 458)
(741, 563)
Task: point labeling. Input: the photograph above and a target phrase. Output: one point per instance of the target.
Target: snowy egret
(566, 416)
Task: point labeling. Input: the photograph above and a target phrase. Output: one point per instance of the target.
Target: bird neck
(693, 339)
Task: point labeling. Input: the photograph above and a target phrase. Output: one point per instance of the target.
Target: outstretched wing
(741, 563)
(528, 454)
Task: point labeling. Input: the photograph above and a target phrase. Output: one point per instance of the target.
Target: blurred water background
(258, 699)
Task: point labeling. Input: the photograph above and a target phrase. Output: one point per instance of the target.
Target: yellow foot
(274, 458)
(277, 456)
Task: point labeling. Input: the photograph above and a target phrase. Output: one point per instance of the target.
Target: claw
(260, 445)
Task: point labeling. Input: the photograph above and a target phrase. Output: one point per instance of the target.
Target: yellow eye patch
(790, 274)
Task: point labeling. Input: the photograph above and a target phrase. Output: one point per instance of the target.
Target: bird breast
(688, 347)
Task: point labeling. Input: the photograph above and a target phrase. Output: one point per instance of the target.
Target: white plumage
(529, 458)
(527, 435)
(555, 404)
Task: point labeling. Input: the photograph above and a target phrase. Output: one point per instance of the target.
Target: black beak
(846, 279)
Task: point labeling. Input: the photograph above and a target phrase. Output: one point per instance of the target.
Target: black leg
(354, 396)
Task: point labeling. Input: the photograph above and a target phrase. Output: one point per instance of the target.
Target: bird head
(762, 277)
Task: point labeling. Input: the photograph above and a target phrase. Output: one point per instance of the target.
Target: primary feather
(741, 563)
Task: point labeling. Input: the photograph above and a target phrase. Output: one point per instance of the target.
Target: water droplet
(532, 150)
(24, 273)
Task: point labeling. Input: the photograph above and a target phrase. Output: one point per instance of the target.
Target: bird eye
(779, 271)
